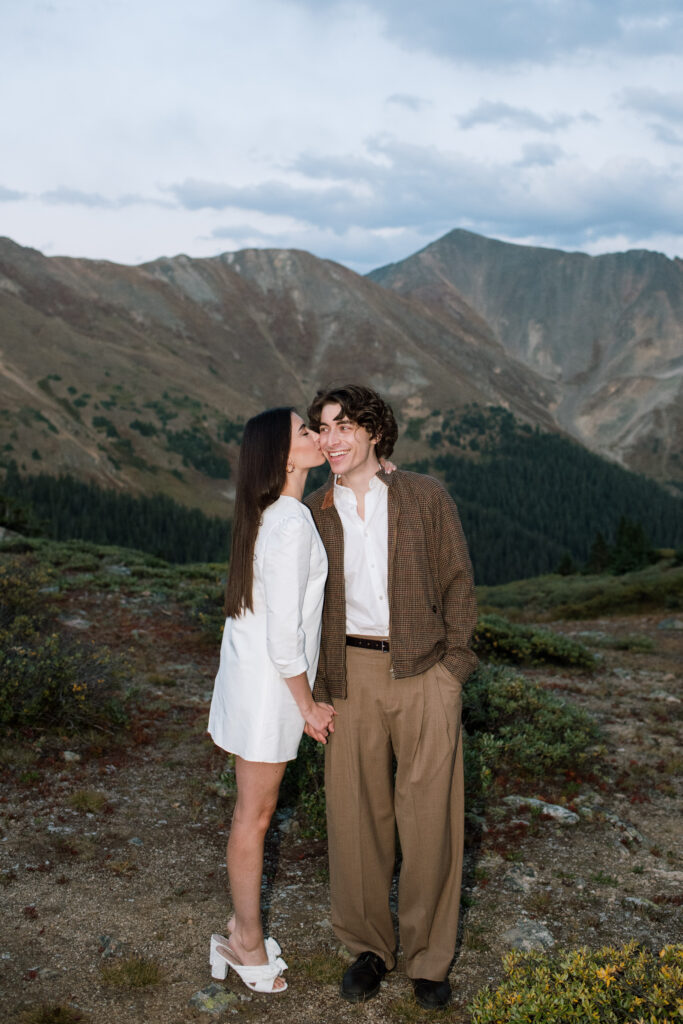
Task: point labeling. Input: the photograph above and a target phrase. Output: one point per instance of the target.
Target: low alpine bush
(48, 678)
(497, 640)
(22, 590)
(609, 985)
(515, 727)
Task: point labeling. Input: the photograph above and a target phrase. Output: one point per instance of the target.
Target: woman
(262, 696)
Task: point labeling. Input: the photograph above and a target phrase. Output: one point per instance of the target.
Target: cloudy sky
(360, 131)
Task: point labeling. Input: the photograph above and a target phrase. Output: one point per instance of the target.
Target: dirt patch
(117, 851)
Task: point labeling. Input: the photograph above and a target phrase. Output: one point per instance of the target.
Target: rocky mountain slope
(139, 376)
(605, 333)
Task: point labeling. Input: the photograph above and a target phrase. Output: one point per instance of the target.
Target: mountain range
(603, 333)
(140, 377)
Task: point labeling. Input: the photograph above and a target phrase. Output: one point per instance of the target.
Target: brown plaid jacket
(432, 607)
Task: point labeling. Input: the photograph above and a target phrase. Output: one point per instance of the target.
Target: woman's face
(304, 449)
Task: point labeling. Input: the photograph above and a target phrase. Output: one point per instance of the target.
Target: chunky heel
(219, 969)
(219, 965)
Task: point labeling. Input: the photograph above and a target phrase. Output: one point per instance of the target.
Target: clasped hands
(319, 721)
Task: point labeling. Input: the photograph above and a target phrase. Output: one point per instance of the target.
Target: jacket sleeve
(286, 566)
(320, 690)
(454, 572)
(334, 607)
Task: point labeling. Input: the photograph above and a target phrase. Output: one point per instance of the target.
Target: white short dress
(253, 714)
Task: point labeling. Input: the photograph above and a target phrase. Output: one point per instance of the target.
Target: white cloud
(8, 195)
(664, 133)
(514, 31)
(410, 188)
(666, 105)
(539, 154)
(72, 196)
(180, 125)
(504, 115)
(414, 103)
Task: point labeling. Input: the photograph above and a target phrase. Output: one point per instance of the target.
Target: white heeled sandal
(259, 977)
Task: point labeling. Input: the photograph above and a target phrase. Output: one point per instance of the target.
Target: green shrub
(516, 728)
(585, 597)
(197, 451)
(21, 591)
(102, 423)
(414, 427)
(495, 639)
(125, 450)
(639, 596)
(143, 427)
(630, 642)
(205, 599)
(53, 680)
(48, 678)
(230, 430)
(88, 801)
(134, 972)
(303, 788)
(609, 985)
(164, 414)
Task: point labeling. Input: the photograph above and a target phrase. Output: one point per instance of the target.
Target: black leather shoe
(431, 995)
(362, 979)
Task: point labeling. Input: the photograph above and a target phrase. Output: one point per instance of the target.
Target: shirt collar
(375, 484)
(380, 477)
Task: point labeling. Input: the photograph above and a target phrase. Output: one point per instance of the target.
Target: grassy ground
(547, 598)
(112, 845)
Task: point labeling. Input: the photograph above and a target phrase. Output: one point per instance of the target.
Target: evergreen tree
(526, 500)
(17, 516)
(566, 566)
(631, 548)
(73, 510)
(600, 554)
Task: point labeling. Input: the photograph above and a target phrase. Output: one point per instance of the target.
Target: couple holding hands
(349, 617)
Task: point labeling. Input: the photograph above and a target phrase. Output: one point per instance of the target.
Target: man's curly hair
(362, 406)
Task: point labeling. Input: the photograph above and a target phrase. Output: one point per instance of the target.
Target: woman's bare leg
(258, 785)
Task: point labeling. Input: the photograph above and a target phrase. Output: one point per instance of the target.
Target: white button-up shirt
(366, 543)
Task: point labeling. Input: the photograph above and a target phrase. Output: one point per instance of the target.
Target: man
(397, 621)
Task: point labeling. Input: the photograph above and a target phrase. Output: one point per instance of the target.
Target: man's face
(346, 445)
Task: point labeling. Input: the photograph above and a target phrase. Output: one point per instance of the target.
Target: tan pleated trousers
(418, 720)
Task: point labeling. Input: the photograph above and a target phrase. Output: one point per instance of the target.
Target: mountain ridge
(138, 377)
(100, 363)
(606, 331)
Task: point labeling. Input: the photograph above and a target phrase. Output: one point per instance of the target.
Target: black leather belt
(367, 645)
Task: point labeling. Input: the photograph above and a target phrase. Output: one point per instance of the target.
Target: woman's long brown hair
(261, 475)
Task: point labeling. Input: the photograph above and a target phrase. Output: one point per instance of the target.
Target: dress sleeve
(286, 566)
